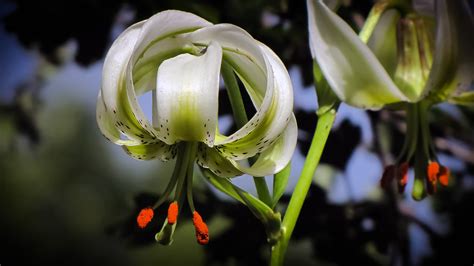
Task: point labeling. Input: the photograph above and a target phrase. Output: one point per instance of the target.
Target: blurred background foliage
(69, 197)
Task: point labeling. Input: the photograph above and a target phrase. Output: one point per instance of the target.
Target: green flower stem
(423, 108)
(174, 178)
(320, 137)
(188, 158)
(241, 119)
(190, 175)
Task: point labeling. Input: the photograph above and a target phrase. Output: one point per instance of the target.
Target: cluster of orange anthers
(202, 232)
(434, 173)
(437, 173)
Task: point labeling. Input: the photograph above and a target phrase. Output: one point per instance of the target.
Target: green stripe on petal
(350, 67)
(187, 96)
(150, 151)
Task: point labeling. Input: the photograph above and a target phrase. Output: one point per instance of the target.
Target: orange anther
(443, 176)
(144, 217)
(173, 212)
(432, 177)
(202, 232)
(433, 170)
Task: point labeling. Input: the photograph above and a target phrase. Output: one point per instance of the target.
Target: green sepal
(327, 100)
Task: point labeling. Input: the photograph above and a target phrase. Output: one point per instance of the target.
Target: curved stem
(241, 119)
(320, 137)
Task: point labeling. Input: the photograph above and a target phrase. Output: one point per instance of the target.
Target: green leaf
(222, 184)
(263, 212)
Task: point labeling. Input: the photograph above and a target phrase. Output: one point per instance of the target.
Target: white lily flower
(178, 56)
(400, 57)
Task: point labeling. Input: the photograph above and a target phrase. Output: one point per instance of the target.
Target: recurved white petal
(159, 40)
(145, 68)
(273, 159)
(156, 30)
(265, 79)
(452, 72)
(107, 125)
(114, 101)
(187, 96)
(350, 67)
(163, 25)
(270, 161)
(117, 108)
(273, 114)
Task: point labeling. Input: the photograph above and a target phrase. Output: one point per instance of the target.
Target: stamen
(432, 177)
(387, 176)
(402, 175)
(173, 212)
(144, 217)
(443, 175)
(202, 232)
